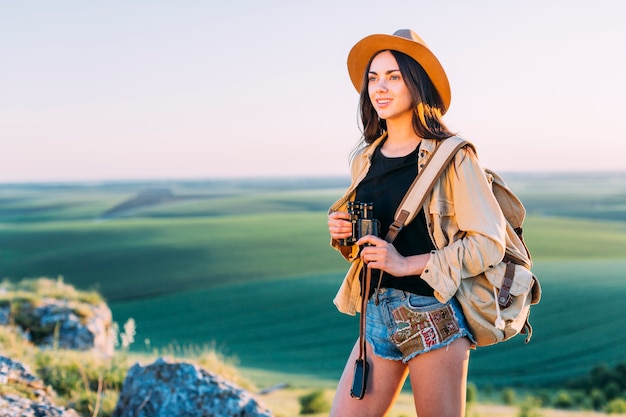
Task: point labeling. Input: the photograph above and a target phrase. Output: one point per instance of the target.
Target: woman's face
(387, 91)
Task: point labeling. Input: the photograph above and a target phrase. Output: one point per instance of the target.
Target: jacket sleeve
(472, 223)
(350, 253)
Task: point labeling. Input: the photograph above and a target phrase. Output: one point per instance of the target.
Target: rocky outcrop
(162, 389)
(60, 319)
(14, 406)
(165, 389)
(50, 322)
(37, 400)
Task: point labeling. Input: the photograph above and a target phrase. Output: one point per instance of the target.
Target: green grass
(290, 326)
(565, 238)
(598, 196)
(249, 268)
(129, 258)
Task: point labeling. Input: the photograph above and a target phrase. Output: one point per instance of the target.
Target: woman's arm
(475, 228)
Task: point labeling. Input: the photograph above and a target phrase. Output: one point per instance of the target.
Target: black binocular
(363, 222)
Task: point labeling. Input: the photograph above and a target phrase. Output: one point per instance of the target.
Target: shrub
(59, 371)
(544, 396)
(612, 390)
(508, 396)
(314, 403)
(600, 375)
(528, 407)
(616, 406)
(472, 393)
(601, 385)
(581, 400)
(597, 398)
(563, 400)
(100, 404)
(72, 374)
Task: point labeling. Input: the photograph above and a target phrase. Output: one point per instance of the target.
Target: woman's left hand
(377, 253)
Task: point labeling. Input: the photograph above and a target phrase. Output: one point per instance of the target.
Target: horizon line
(257, 178)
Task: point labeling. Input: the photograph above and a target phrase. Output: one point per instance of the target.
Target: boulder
(17, 378)
(165, 389)
(67, 325)
(14, 406)
(5, 314)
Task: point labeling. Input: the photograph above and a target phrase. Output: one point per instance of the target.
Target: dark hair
(428, 106)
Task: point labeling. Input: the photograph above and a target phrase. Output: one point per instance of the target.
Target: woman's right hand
(339, 225)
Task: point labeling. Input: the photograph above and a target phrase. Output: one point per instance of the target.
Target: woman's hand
(377, 253)
(339, 225)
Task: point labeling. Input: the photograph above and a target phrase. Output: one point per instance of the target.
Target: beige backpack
(497, 302)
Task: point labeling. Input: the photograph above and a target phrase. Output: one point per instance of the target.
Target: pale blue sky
(193, 89)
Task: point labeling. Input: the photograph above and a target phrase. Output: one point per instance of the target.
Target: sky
(127, 90)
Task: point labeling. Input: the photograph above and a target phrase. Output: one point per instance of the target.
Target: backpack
(496, 303)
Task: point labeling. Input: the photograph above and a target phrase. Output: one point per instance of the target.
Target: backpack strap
(359, 382)
(504, 298)
(424, 183)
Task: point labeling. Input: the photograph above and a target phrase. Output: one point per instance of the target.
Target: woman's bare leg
(439, 380)
(384, 384)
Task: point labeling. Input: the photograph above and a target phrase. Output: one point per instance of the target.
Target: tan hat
(407, 42)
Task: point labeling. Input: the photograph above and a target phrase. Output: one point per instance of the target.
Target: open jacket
(463, 219)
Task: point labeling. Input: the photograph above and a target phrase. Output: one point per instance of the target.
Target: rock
(165, 389)
(5, 313)
(14, 406)
(52, 322)
(16, 376)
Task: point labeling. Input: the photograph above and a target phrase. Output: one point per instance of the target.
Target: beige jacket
(463, 218)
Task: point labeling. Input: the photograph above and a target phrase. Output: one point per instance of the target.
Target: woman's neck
(401, 140)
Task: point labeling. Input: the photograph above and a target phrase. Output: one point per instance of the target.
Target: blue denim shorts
(404, 325)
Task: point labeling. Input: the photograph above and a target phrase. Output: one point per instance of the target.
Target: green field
(246, 266)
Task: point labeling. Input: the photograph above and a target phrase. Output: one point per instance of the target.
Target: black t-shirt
(385, 185)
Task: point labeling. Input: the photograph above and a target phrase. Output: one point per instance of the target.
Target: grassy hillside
(247, 266)
(164, 248)
(289, 325)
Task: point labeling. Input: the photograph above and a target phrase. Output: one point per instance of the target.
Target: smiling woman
(410, 327)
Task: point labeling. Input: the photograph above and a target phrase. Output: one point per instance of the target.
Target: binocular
(363, 222)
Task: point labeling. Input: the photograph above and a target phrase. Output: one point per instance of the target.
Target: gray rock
(17, 376)
(14, 406)
(54, 322)
(5, 313)
(165, 389)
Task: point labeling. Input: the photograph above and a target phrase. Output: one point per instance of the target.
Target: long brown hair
(427, 104)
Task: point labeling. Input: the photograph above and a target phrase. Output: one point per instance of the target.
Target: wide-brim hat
(407, 42)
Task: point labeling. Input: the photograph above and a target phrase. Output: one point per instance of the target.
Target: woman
(459, 233)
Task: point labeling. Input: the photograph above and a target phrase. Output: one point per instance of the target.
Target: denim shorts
(404, 325)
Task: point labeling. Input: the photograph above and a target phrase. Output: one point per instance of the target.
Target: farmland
(245, 266)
